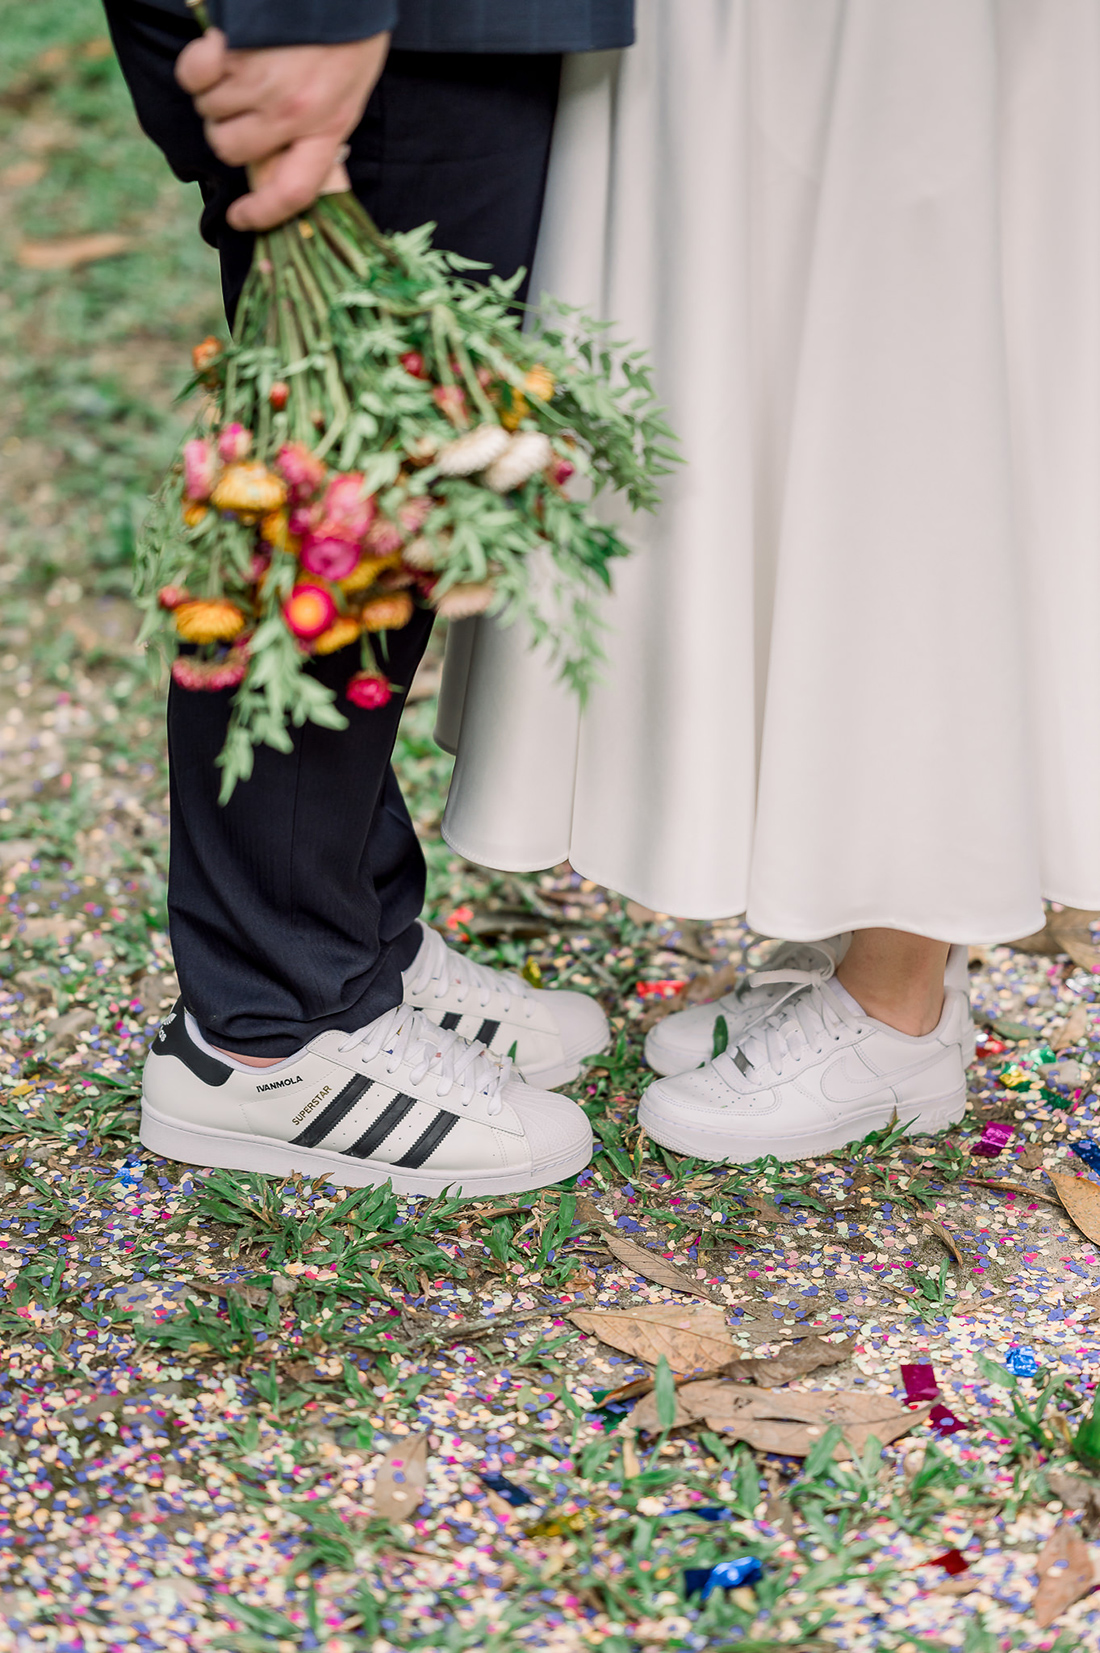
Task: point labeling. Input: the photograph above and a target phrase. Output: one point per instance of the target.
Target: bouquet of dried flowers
(384, 432)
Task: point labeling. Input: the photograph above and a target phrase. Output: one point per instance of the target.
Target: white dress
(854, 668)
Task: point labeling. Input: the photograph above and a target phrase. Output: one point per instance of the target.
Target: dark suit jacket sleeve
(250, 23)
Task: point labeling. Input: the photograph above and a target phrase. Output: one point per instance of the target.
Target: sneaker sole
(231, 1151)
(669, 1063)
(926, 1120)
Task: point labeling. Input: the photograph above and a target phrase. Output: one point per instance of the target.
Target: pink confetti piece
(920, 1382)
(995, 1138)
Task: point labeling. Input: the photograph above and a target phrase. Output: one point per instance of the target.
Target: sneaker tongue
(843, 997)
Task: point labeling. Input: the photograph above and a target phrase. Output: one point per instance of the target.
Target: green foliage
(329, 310)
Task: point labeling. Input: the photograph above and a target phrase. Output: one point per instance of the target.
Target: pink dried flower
(368, 690)
(347, 512)
(384, 538)
(210, 675)
(451, 400)
(332, 559)
(415, 512)
(560, 471)
(302, 520)
(300, 470)
(200, 468)
(234, 444)
(258, 567)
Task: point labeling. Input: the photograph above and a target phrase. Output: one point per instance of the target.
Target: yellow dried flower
(209, 620)
(342, 632)
(193, 513)
(366, 571)
(388, 613)
(273, 529)
(540, 382)
(250, 488)
(510, 417)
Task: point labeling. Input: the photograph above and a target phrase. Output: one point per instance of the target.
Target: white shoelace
(407, 1035)
(436, 967)
(801, 1027)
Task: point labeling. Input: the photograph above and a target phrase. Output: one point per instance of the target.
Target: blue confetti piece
(706, 1512)
(1023, 1362)
(504, 1488)
(727, 1575)
(1088, 1151)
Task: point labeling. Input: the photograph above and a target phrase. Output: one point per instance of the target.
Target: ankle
(914, 1012)
(249, 1061)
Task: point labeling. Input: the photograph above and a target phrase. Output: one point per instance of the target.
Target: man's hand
(284, 111)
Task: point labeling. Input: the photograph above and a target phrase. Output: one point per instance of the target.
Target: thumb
(286, 183)
(202, 63)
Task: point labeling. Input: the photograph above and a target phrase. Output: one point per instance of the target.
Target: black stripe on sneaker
(487, 1032)
(450, 1021)
(428, 1141)
(388, 1120)
(338, 1109)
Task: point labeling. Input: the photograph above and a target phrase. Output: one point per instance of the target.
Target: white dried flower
(420, 553)
(462, 601)
(472, 451)
(528, 452)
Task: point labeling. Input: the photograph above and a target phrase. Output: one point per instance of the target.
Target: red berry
(279, 394)
(413, 363)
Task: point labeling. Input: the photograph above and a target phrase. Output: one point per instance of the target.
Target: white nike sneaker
(686, 1038)
(814, 1075)
(551, 1030)
(399, 1100)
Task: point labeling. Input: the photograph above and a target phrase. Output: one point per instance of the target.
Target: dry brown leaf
(943, 1234)
(1073, 929)
(1003, 1186)
(258, 1296)
(67, 251)
(1032, 1157)
(766, 1373)
(1078, 1494)
(1081, 1198)
(691, 1339)
(651, 1267)
(1073, 1029)
(401, 1479)
(788, 1423)
(774, 1370)
(1059, 1590)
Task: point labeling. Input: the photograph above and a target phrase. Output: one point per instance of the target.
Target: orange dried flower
(204, 355)
(250, 488)
(366, 571)
(540, 382)
(274, 529)
(209, 620)
(342, 632)
(193, 513)
(388, 613)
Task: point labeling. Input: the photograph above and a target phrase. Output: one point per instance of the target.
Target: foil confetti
(726, 1575)
(995, 1137)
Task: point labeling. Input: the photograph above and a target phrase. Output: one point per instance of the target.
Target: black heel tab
(173, 1040)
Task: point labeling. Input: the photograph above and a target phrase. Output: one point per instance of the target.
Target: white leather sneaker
(551, 1030)
(686, 1038)
(400, 1100)
(814, 1075)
